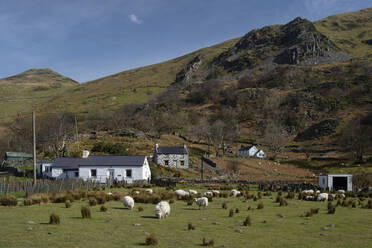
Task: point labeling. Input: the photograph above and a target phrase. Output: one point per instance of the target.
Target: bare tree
(233, 167)
(275, 137)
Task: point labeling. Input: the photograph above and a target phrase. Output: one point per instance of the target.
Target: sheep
(333, 196)
(149, 191)
(343, 196)
(208, 193)
(162, 210)
(181, 192)
(128, 202)
(193, 192)
(317, 192)
(309, 198)
(201, 202)
(234, 193)
(136, 192)
(310, 191)
(323, 197)
(215, 192)
(341, 191)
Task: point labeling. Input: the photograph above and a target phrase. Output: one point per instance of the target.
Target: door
(111, 173)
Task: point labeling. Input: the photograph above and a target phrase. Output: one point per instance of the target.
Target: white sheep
(128, 202)
(162, 209)
(193, 192)
(310, 191)
(215, 192)
(234, 193)
(323, 197)
(343, 196)
(136, 192)
(201, 202)
(181, 192)
(341, 191)
(309, 198)
(208, 193)
(317, 192)
(149, 191)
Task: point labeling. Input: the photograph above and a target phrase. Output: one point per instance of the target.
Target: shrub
(237, 210)
(231, 213)
(283, 202)
(255, 198)
(314, 211)
(27, 202)
(247, 221)
(207, 242)
(290, 195)
(190, 226)
(332, 210)
(224, 205)
(151, 239)
(68, 204)
(92, 201)
(101, 198)
(260, 205)
(259, 195)
(8, 200)
(54, 219)
(171, 201)
(368, 205)
(249, 208)
(190, 202)
(103, 208)
(210, 198)
(140, 209)
(85, 213)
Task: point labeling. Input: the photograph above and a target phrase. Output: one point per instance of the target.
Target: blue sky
(89, 39)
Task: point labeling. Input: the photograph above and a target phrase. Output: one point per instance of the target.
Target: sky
(89, 39)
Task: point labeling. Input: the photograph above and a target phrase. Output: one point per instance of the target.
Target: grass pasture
(348, 227)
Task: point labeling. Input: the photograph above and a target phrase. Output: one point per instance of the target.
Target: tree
(233, 167)
(275, 137)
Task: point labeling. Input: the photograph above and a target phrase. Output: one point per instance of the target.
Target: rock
(29, 228)
(136, 224)
(216, 223)
(30, 222)
(50, 233)
(108, 221)
(185, 74)
(239, 231)
(325, 228)
(332, 225)
(281, 215)
(323, 234)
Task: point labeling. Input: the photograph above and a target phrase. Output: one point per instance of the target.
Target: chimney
(85, 154)
(156, 146)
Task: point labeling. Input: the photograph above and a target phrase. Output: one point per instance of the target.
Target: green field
(348, 227)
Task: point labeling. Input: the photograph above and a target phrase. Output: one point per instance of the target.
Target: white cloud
(133, 18)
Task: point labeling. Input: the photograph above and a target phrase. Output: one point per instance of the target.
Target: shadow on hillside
(149, 217)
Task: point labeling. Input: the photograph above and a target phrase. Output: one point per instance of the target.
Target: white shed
(335, 182)
(253, 151)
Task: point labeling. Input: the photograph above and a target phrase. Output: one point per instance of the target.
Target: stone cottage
(172, 156)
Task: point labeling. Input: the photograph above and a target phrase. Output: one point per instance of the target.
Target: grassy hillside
(21, 92)
(352, 32)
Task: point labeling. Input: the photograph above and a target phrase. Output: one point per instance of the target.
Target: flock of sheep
(162, 209)
(311, 195)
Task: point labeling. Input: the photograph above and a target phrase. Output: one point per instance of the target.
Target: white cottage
(102, 168)
(335, 182)
(172, 156)
(253, 151)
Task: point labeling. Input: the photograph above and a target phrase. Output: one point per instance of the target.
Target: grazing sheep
(215, 192)
(136, 192)
(201, 202)
(323, 197)
(181, 192)
(149, 191)
(310, 191)
(208, 193)
(162, 209)
(128, 202)
(333, 196)
(234, 193)
(341, 191)
(342, 196)
(309, 198)
(193, 192)
(317, 192)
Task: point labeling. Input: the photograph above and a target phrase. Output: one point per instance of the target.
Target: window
(76, 174)
(323, 181)
(129, 173)
(182, 163)
(166, 162)
(93, 172)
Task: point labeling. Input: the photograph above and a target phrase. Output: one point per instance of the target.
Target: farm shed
(251, 151)
(17, 156)
(102, 168)
(335, 182)
(172, 156)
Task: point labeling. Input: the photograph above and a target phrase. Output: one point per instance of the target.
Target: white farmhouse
(335, 182)
(253, 151)
(172, 156)
(102, 168)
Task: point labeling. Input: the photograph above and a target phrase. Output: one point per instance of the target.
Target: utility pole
(34, 144)
(77, 133)
(202, 169)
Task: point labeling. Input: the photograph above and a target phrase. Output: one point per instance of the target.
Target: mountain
(20, 92)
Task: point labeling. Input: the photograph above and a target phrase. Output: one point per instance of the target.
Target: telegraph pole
(34, 144)
(77, 133)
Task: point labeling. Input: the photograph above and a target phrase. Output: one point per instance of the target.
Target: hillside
(20, 92)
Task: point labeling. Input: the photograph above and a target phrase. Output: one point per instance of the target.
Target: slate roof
(245, 148)
(171, 150)
(70, 163)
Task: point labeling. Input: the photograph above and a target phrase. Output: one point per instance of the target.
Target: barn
(335, 182)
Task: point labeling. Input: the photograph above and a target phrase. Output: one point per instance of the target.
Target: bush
(190, 202)
(151, 239)
(368, 205)
(171, 201)
(103, 208)
(92, 201)
(207, 242)
(85, 213)
(247, 221)
(259, 195)
(190, 226)
(260, 205)
(231, 213)
(224, 205)
(68, 204)
(282, 202)
(27, 202)
(237, 210)
(101, 198)
(290, 195)
(332, 210)
(140, 209)
(249, 208)
(54, 219)
(8, 200)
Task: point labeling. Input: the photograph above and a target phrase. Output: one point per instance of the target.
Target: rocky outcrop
(323, 128)
(185, 74)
